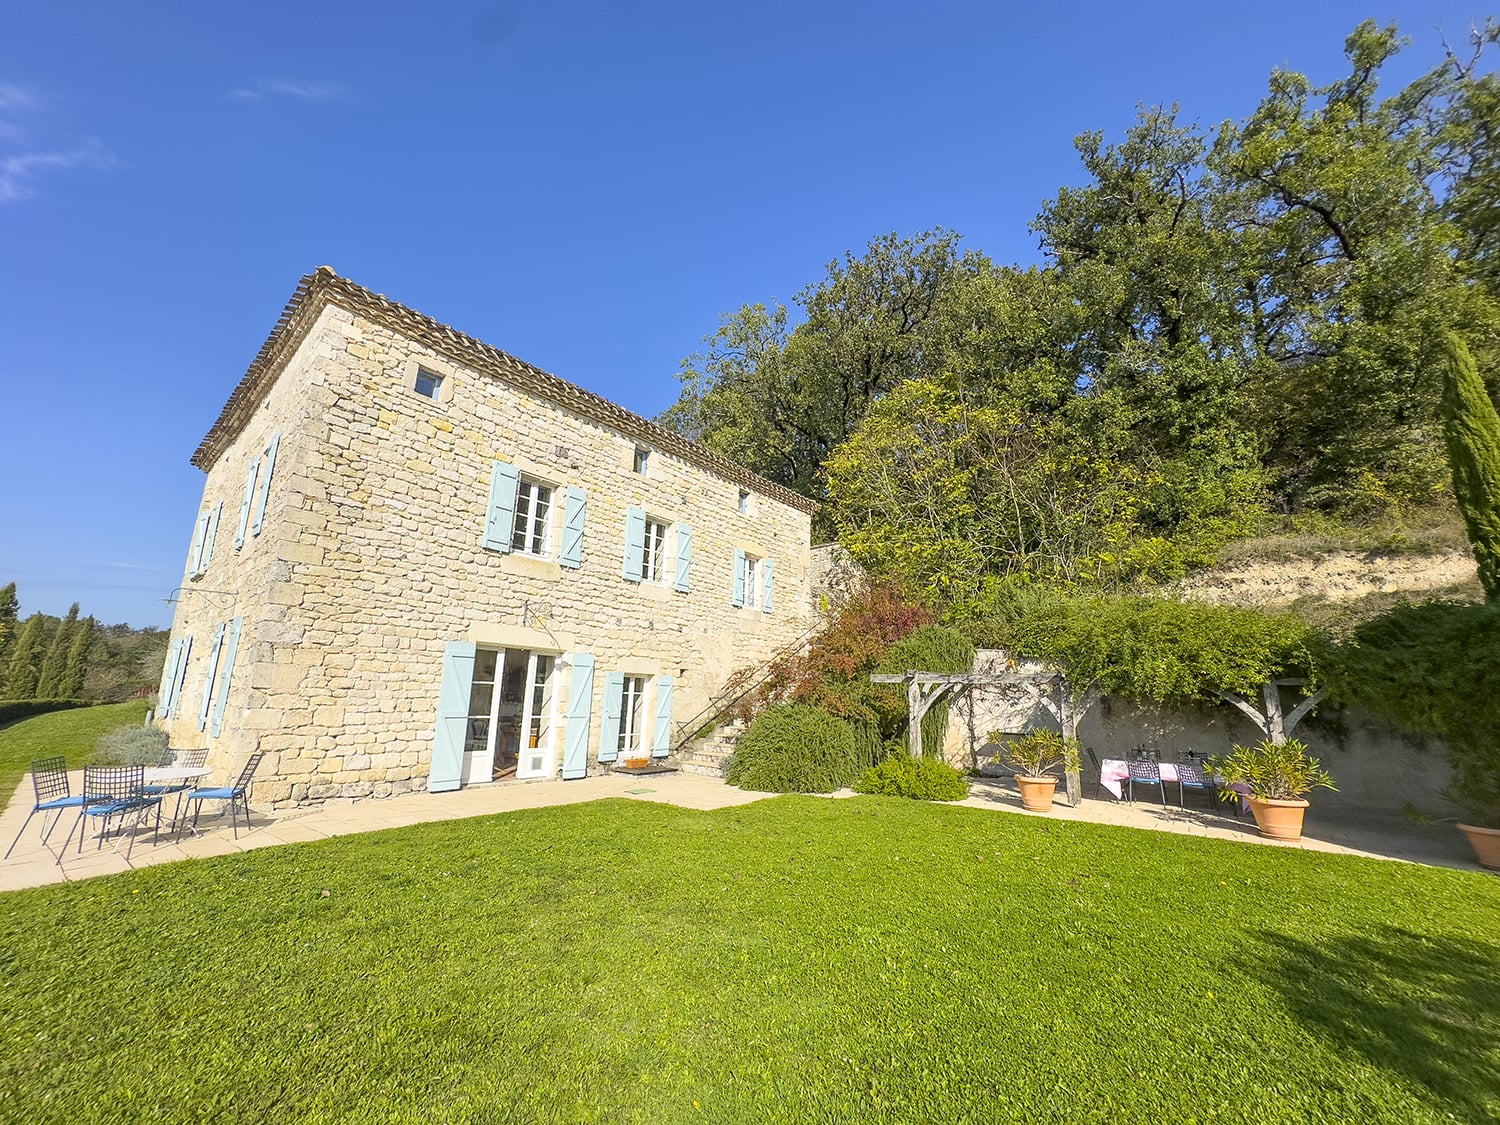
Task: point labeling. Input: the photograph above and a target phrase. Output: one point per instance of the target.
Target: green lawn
(794, 960)
(69, 733)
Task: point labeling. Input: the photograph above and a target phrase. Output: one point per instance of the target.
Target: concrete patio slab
(32, 864)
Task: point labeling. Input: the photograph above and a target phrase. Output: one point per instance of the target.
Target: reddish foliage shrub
(833, 672)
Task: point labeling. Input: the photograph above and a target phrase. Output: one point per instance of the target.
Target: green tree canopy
(1472, 428)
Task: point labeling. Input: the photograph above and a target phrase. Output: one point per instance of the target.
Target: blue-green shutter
(661, 737)
(574, 510)
(684, 557)
(258, 517)
(210, 672)
(768, 573)
(609, 721)
(195, 553)
(452, 723)
(211, 534)
(500, 520)
(244, 524)
(181, 676)
(737, 594)
(226, 672)
(580, 708)
(635, 543)
(169, 679)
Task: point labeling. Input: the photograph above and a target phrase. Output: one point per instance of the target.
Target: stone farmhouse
(420, 562)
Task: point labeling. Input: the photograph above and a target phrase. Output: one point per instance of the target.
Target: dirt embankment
(1336, 577)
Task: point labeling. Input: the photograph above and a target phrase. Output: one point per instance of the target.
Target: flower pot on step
(1036, 792)
(1486, 845)
(1280, 820)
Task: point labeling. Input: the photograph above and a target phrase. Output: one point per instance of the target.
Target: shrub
(132, 746)
(12, 710)
(922, 779)
(795, 748)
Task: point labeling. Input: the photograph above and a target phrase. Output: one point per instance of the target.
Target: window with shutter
(500, 518)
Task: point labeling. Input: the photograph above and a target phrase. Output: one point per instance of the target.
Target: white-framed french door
(512, 716)
(538, 757)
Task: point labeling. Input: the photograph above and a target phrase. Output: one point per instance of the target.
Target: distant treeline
(74, 657)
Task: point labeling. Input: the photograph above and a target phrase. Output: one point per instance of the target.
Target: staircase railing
(724, 702)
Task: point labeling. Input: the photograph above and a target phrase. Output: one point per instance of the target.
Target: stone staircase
(709, 756)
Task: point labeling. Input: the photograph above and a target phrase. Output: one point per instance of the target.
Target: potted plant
(1277, 775)
(1034, 756)
(1475, 788)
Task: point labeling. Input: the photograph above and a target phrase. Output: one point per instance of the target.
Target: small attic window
(427, 383)
(744, 503)
(642, 458)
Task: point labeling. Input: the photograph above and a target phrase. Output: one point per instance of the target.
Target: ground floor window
(509, 732)
(632, 696)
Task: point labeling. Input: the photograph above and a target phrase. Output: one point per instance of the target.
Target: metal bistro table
(175, 775)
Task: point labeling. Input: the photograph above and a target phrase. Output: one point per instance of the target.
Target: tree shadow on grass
(1424, 1007)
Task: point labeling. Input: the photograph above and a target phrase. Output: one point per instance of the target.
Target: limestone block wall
(374, 562)
(261, 581)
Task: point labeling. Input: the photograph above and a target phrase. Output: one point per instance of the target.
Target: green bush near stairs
(796, 748)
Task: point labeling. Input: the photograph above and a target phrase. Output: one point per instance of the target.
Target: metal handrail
(720, 705)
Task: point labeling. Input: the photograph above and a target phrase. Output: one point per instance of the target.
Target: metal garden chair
(1190, 776)
(236, 794)
(114, 791)
(1143, 772)
(49, 780)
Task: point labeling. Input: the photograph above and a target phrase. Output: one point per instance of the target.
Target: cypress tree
(1472, 428)
(78, 660)
(10, 609)
(21, 676)
(55, 664)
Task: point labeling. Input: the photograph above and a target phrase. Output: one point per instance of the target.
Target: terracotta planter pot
(1486, 845)
(1036, 792)
(1280, 820)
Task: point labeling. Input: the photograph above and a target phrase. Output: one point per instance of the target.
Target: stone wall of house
(371, 561)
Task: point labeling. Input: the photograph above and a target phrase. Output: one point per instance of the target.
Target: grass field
(794, 960)
(69, 733)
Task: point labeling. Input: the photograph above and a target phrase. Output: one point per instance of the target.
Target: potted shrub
(1035, 756)
(1277, 774)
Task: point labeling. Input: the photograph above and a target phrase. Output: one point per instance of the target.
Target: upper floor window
(753, 571)
(533, 512)
(427, 383)
(653, 548)
(642, 459)
(744, 503)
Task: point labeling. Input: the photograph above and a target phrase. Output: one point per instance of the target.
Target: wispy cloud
(14, 98)
(286, 88)
(23, 164)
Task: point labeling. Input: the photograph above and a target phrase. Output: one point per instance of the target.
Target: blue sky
(588, 186)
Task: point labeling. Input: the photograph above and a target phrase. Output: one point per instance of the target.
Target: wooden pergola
(1050, 689)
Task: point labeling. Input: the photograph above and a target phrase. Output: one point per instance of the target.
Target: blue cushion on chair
(218, 794)
(59, 803)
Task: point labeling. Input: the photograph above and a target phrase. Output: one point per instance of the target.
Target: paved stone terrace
(32, 864)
